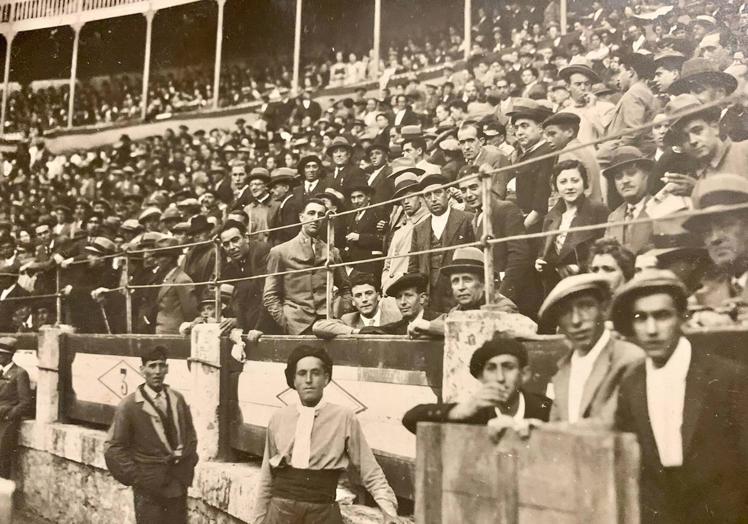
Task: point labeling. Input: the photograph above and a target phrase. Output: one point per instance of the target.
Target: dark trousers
(287, 511)
(8, 446)
(153, 509)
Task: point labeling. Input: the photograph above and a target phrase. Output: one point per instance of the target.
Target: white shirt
(438, 223)
(309, 186)
(666, 394)
(376, 320)
(520, 414)
(636, 208)
(5, 292)
(567, 217)
(374, 175)
(7, 368)
(581, 369)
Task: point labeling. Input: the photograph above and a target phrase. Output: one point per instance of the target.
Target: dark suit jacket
(7, 307)
(284, 214)
(410, 118)
(712, 485)
(536, 406)
(459, 230)
(513, 258)
(576, 247)
(349, 177)
(637, 238)
(370, 242)
(383, 187)
(300, 196)
(533, 181)
(15, 395)
(400, 327)
(224, 191)
(246, 302)
(314, 111)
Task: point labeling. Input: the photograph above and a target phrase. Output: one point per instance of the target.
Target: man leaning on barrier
(586, 383)
(15, 402)
(687, 407)
(152, 444)
(502, 367)
(308, 446)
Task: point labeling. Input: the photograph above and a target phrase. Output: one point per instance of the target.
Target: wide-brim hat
(404, 165)
(647, 282)
(8, 344)
(528, 108)
(581, 66)
(715, 192)
(408, 280)
(566, 288)
(337, 142)
(333, 194)
(702, 71)
(690, 104)
(625, 156)
(465, 260)
(406, 183)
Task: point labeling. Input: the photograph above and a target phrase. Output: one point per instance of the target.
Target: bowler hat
(465, 260)
(717, 192)
(645, 283)
(624, 156)
(408, 280)
(500, 344)
(569, 286)
(702, 71)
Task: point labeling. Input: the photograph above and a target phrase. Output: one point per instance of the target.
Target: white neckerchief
(666, 394)
(581, 369)
(438, 223)
(302, 443)
(520, 414)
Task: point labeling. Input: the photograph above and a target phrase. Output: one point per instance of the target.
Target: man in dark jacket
(502, 366)
(345, 174)
(15, 402)
(409, 292)
(362, 240)
(152, 445)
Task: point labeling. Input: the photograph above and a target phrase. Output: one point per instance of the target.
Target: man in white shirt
(687, 407)
(586, 383)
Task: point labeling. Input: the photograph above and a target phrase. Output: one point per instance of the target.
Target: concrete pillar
(147, 60)
(6, 78)
(468, 27)
(7, 487)
(466, 331)
(206, 383)
(562, 16)
(219, 51)
(73, 72)
(377, 35)
(48, 378)
(297, 48)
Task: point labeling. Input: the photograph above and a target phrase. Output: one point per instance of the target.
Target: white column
(147, 60)
(219, 52)
(297, 47)
(205, 344)
(562, 16)
(468, 27)
(6, 78)
(377, 35)
(73, 71)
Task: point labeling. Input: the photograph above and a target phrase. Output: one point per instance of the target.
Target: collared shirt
(666, 395)
(520, 414)
(438, 223)
(309, 186)
(567, 217)
(7, 368)
(636, 209)
(7, 291)
(374, 175)
(158, 397)
(579, 373)
(375, 320)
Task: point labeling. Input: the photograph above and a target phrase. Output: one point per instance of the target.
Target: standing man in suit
(15, 402)
(379, 178)
(362, 240)
(262, 205)
(404, 115)
(371, 311)
(587, 380)
(687, 408)
(306, 107)
(176, 304)
(345, 173)
(512, 260)
(486, 157)
(240, 186)
(152, 445)
(297, 300)
(502, 366)
(629, 173)
(313, 181)
(286, 213)
(445, 227)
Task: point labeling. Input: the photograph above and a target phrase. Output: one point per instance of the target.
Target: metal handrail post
(216, 278)
(488, 262)
(58, 298)
(128, 295)
(330, 276)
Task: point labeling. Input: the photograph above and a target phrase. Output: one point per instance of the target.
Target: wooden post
(128, 295)
(562, 16)
(147, 61)
(9, 37)
(219, 51)
(297, 48)
(73, 72)
(377, 36)
(217, 277)
(488, 261)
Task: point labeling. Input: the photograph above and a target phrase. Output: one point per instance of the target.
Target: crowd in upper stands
(528, 98)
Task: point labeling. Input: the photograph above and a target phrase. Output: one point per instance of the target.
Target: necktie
(302, 443)
(160, 401)
(308, 187)
(337, 171)
(628, 216)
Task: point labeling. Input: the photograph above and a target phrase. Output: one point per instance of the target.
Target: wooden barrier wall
(561, 475)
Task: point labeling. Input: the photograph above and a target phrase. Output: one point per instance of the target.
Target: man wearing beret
(15, 402)
(687, 408)
(502, 366)
(308, 446)
(586, 383)
(151, 445)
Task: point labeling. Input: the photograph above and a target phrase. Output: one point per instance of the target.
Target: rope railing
(485, 243)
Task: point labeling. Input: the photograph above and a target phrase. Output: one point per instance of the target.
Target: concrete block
(47, 389)
(206, 383)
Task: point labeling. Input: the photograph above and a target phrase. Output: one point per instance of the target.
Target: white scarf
(302, 443)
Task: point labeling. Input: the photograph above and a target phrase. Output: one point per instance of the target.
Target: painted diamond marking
(334, 393)
(121, 379)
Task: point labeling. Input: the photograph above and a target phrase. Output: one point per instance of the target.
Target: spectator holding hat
(16, 402)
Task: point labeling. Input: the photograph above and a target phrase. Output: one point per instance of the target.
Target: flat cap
(567, 287)
(562, 118)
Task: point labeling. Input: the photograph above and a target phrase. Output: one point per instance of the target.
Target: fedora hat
(625, 156)
(283, 175)
(259, 173)
(334, 195)
(528, 108)
(676, 246)
(717, 192)
(406, 182)
(339, 141)
(408, 280)
(199, 224)
(581, 66)
(8, 344)
(685, 103)
(465, 260)
(702, 71)
(569, 286)
(404, 165)
(101, 246)
(647, 282)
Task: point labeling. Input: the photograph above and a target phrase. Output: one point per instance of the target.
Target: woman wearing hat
(566, 253)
